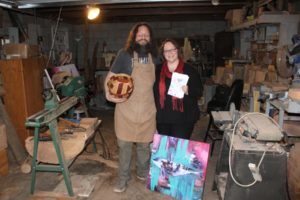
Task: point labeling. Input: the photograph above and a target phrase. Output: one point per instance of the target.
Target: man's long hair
(129, 47)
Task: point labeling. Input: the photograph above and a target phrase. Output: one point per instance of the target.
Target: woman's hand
(185, 89)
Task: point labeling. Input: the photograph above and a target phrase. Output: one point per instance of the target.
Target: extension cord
(255, 172)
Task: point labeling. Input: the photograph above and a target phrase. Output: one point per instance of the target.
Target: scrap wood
(109, 163)
(276, 86)
(72, 145)
(67, 122)
(83, 185)
(13, 140)
(64, 125)
(2, 91)
(43, 195)
(294, 94)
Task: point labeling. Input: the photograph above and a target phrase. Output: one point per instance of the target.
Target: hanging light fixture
(215, 2)
(5, 5)
(92, 12)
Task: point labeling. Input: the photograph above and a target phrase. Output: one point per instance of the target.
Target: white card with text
(178, 80)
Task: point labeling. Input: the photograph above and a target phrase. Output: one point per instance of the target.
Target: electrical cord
(50, 53)
(231, 144)
(54, 36)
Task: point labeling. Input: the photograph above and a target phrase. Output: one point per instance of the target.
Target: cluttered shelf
(267, 18)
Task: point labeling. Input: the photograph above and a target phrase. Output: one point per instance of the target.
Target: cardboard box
(238, 72)
(246, 88)
(3, 137)
(250, 76)
(3, 162)
(219, 74)
(20, 51)
(260, 76)
(234, 16)
(228, 78)
(271, 76)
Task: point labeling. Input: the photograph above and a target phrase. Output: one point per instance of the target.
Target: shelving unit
(282, 27)
(268, 18)
(288, 25)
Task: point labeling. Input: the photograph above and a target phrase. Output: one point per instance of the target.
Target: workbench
(59, 153)
(56, 155)
(72, 143)
(289, 123)
(273, 170)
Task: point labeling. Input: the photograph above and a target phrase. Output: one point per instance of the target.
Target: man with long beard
(135, 117)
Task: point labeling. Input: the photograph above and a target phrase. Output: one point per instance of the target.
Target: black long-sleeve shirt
(190, 101)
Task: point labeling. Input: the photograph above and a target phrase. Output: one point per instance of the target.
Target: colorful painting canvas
(178, 167)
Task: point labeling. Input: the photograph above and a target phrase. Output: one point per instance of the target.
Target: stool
(77, 112)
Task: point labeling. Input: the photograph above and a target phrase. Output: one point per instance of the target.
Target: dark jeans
(142, 160)
(183, 131)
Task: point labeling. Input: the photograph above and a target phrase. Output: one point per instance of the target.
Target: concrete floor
(16, 185)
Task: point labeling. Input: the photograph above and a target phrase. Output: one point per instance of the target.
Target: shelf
(263, 50)
(234, 60)
(267, 18)
(264, 42)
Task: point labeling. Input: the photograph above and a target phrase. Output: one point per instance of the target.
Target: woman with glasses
(176, 117)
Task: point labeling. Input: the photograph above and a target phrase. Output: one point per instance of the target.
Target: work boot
(120, 187)
(141, 178)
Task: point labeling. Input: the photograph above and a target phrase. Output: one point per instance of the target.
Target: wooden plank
(3, 137)
(22, 82)
(44, 195)
(13, 140)
(83, 185)
(72, 144)
(14, 98)
(33, 84)
(3, 162)
(256, 103)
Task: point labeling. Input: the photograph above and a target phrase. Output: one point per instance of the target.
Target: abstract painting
(178, 167)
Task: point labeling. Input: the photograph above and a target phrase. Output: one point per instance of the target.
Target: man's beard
(142, 49)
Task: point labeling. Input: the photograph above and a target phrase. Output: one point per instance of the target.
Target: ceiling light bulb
(215, 2)
(5, 5)
(93, 12)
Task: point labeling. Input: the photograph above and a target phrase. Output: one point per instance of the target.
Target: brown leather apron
(135, 118)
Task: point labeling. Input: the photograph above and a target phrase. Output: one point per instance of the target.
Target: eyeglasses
(170, 51)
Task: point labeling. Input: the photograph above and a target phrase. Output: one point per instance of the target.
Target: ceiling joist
(74, 11)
